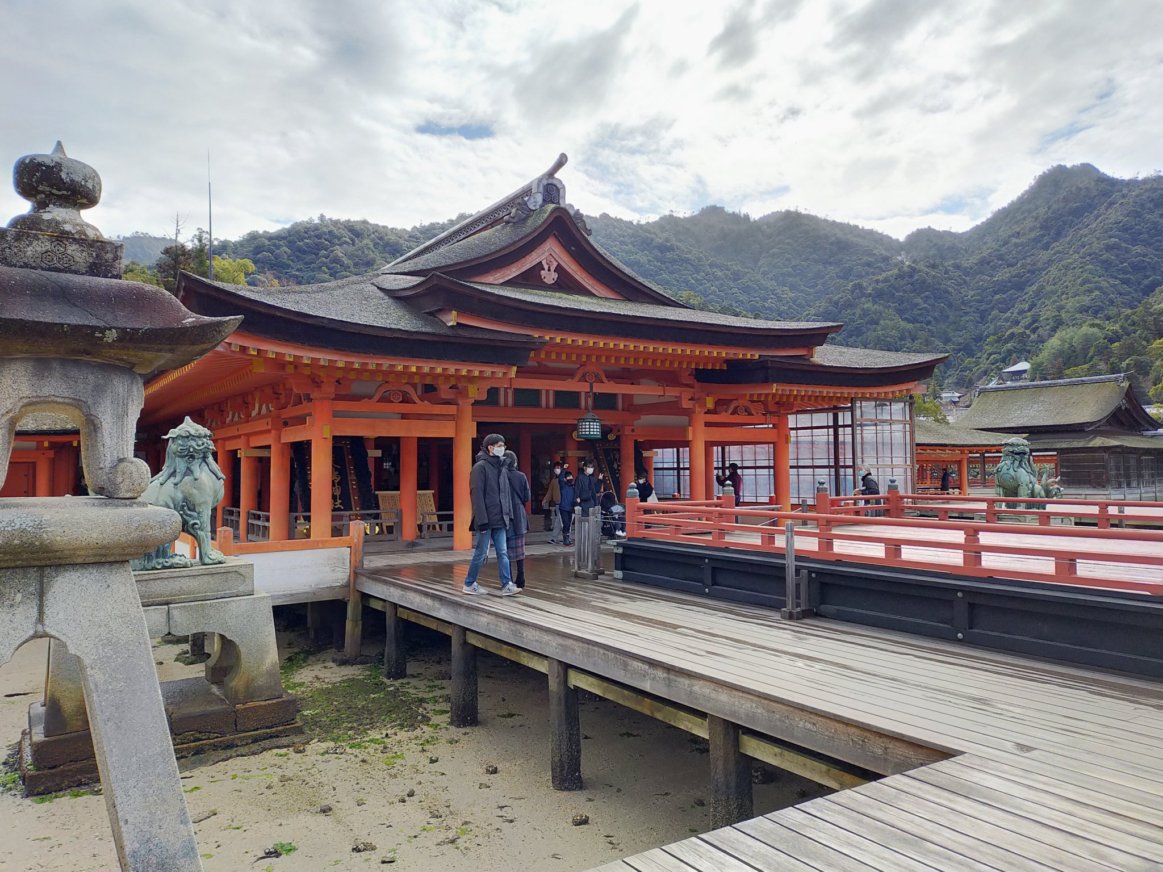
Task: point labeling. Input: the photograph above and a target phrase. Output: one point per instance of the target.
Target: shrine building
(337, 400)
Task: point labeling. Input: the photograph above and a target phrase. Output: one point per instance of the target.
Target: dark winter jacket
(868, 485)
(519, 494)
(587, 491)
(568, 494)
(645, 489)
(492, 506)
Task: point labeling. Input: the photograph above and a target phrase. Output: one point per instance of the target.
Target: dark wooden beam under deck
(1059, 767)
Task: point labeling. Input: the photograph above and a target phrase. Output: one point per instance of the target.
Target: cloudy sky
(892, 114)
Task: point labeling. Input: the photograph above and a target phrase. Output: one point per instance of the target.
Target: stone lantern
(76, 342)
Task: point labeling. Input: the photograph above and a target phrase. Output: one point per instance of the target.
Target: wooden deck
(1052, 767)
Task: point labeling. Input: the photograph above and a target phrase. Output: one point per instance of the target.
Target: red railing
(1096, 557)
(1101, 513)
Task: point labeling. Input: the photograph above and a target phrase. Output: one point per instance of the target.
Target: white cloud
(892, 115)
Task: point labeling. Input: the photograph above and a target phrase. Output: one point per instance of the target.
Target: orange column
(525, 458)
(280, 485)
(698, 452)
(709, 466)
(963, 474)
(43, 486)
(783, 462)
(321, 440)
(247, 490)
(226, 464)
(629, 473)
(408, 510)
(462, 445)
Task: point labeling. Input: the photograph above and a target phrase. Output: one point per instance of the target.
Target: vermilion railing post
(972, 555)
(1104, 518)
(632, 510)
(1065, 569)
(896, 507)
(226, 541)
(823, 501)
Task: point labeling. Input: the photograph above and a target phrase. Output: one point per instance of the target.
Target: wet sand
(422, 799)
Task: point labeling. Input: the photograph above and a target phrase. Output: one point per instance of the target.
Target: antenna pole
(210, 218)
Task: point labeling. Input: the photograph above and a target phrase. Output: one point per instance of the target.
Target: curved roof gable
(1064, 404)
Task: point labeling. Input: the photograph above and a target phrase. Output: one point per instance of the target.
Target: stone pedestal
(239, 701)
(92, 608)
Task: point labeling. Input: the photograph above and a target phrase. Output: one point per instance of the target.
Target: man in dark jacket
(492, 511)
(869, 485)
(519, 525)
(732, 477)
(588, 487)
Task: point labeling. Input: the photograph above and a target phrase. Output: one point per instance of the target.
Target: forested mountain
(1062, 276)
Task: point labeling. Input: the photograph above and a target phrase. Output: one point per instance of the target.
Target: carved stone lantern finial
(58, 187)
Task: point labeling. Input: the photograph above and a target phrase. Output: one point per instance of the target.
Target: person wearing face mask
(519, 525)
(588, 488)
(551, 501)
(645, 488)
(565, 510)
(492, 512)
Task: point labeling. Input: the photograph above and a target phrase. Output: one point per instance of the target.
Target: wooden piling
(731, 799)
(564, 730)
(395, 660)
(464, 681)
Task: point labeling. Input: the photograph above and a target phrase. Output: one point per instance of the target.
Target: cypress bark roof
(955, 436)
(1064, 404)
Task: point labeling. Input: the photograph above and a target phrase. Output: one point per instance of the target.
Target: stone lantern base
(238, 706)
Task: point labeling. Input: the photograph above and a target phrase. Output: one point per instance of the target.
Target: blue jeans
(485, 538)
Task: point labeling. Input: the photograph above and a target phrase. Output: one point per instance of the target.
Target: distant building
(1107, 446)
(1019, 372)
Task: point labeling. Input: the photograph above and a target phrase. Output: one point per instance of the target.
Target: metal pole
(789, 554)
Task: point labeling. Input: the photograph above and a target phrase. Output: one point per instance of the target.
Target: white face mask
(499, 450)
(589, 470)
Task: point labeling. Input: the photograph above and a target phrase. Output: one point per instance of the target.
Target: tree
(231, 270)
(139, 272)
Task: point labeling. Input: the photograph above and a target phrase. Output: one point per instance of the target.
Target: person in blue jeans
(492, 509)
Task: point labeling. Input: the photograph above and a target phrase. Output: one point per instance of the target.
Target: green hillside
(1062, 276)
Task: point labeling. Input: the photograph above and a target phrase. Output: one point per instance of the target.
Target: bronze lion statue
(1016, 477)
(191, 484)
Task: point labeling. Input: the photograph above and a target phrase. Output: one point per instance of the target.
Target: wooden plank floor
(1052, 767)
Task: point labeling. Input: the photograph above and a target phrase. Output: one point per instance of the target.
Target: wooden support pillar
(464, 681)
(318, 628)
(782, 462)
(462, 454)
(408, 511)
(698, 452)
(709, 466)
(564, 730)
(353, 629)
(280, 486)
(525, 457)
(395, 660)
(226, 464)
(629, 473)
(731, 799)
(247, 491)
(43, 484)
(963, 474)
(321, 469)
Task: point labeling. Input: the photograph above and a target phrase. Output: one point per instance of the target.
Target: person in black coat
(645, 488)
(568, 500)
(492, 511)
(519, 524)
(869, 485)
(588, 488)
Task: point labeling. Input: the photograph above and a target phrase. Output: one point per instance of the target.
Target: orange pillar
(408, 510)
(462, 445)
(226, 464)
(782, 461)
(43, 486)
(525, 457)
(280, 486)
(247, 490)
(321, 463)
(629, 473)
(963, 474)
(709, 466)
(698, 452)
